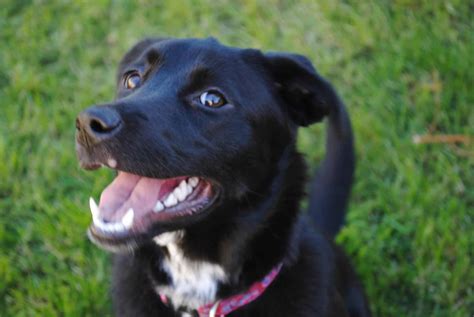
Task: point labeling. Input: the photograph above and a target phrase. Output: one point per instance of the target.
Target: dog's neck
(195, 281)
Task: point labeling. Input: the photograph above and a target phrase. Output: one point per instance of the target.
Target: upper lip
(89, 161)
(84, 158)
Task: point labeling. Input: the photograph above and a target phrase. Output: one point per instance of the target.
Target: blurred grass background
(404, 67)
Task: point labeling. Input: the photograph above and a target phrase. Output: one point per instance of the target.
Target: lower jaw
(116, 244)
(127, 241)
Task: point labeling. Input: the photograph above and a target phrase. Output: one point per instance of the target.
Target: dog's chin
(134, 209)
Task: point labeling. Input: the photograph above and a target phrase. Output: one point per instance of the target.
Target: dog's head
(195, 125)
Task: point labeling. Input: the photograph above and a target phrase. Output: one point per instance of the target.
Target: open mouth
(132, 204)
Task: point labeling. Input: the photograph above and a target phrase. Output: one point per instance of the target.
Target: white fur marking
(194, 283)
(112, 163)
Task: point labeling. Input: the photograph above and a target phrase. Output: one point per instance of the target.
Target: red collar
(223, 307)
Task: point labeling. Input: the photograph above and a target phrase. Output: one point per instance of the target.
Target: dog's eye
(212, 99)
(132, 80)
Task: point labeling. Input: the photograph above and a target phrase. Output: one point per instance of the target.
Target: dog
(204, 214)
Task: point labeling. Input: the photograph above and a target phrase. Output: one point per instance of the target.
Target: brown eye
(212, 99)
(132, 80)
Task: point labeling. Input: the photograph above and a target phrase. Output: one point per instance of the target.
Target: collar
(223, 307)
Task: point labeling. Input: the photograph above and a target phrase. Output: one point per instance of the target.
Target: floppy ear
(308, 96)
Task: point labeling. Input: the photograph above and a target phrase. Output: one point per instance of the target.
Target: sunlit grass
(403, 68)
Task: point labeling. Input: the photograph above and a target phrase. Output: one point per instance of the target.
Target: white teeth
(112, 227)
(127, 219)
(117, 227)
(159, 206)
(180, 193)
(95, 211)
(183, 185)
(171, 200)
(109, 227)
(193, 181)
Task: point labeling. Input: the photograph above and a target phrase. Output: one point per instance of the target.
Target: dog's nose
(97, 124)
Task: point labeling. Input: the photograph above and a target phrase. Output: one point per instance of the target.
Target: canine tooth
(97, 222)
(95, 211)
(127, 219)
(158, 207)
(180, 193)
(193, 181)
(171, 200)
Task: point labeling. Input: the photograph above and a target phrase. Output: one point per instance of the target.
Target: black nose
(97, 124)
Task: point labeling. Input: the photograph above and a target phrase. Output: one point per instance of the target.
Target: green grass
(403, 67)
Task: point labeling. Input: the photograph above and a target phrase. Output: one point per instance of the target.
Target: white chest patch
(193, 283)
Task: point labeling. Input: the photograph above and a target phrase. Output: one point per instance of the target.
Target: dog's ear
(135, 52)
(308, 96)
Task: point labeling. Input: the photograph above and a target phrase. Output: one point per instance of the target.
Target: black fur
(248, 149)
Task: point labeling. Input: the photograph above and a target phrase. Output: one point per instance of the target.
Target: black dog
(204, 212)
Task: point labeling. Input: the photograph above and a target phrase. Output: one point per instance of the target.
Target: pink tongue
(133, 191)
